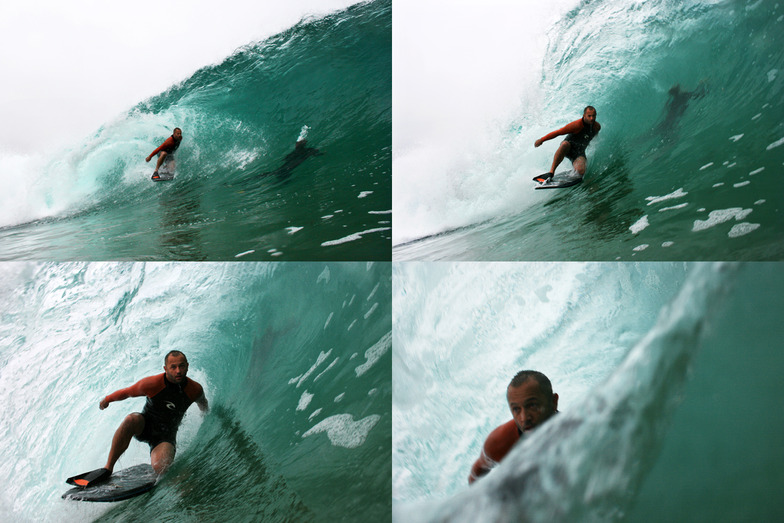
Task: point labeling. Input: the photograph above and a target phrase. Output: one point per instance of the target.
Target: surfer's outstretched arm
(140, 388)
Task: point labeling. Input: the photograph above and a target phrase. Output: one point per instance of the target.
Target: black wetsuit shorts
(154, 434)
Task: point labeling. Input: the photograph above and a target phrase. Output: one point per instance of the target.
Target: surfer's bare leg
(162, 456)
(132, 425)
(579, 165)
(560, 154)
(161, 156)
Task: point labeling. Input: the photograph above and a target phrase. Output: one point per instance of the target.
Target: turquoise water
(234, 195)
(294, 359)
(693, 179)
(668, 377)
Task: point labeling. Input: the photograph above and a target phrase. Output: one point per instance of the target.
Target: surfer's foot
(155, 175)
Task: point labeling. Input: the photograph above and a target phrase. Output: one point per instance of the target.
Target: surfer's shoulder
(501, 440)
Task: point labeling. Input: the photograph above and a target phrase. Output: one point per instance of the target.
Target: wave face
(234, 192)
(294, 359)
(658, 418)
(670, 177)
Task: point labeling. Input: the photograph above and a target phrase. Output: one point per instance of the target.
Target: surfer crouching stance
(532, 402)
(166, 151)
(579, 134)
(168, 397)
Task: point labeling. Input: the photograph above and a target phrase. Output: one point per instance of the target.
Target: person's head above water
(531, 399)
(589, 114)
(177, 133)
(175, 365)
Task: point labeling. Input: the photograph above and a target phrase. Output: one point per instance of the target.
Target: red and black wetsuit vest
(584, 136)
(166, 408)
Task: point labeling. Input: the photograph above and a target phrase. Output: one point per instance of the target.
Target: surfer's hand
(103, 404)
(538, 142)
(149, 158)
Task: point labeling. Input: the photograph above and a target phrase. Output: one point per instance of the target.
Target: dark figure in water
(676, 106)
(294, 158)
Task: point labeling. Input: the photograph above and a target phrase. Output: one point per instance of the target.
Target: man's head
(175, 365)
(589, 115)
(531, 399)
(177, 133)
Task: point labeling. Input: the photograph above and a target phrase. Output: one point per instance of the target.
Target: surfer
(300, 153)
(168, 397)
(532, 402)
(166, 152)
(579, 133)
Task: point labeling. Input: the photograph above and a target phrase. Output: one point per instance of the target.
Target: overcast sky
(68, 67)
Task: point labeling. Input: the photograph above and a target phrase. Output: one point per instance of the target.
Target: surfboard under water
(124, 484)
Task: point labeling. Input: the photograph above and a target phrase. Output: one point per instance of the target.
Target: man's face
(178, 134)
(176, 368)
(589, 116)
(530, 407)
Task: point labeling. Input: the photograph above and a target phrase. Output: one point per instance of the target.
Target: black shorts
(575, 151)
(155, 434)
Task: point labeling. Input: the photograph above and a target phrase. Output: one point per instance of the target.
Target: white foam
(353, 237)
(343, 431)
(667, 244)
(757, 171)
(678, 193)
(759, 202)
(740, 229)
(720, 216)
(364, 194)
(374, 353)
(680, 206)
(314, 414)
(718, 184)
(304, 400)
(641, 247)
(774, 144)
(639, 225)
(736, 137)
(706, 166)
(773, 72)
(240, 255)
(756, 116)
(293, 230)
(741, 184)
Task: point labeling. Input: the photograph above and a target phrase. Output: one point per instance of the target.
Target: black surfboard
(559, 180)
(123, 484)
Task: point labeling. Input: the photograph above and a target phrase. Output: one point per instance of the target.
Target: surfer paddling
(168, 397)
(579, 134)
(532, 402)
(166, 152)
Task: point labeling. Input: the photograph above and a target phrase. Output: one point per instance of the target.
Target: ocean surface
(669, 383)
(235, 193)
(692, 173)
(294, 359)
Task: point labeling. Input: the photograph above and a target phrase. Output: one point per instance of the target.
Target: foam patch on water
(304, 400)
(736, 137)
(741, 229)
(679, 193)
(774, 144)
(374, 353)
(741, 184)
(756, 171)
(321, 357)
(640, 248)
(668, 244)
(720, 216)
(680, 206)
(706, 166)
(343, 431)
(639, 225)
(353, 237)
